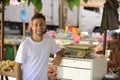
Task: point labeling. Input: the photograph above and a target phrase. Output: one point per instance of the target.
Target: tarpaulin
(110, 15)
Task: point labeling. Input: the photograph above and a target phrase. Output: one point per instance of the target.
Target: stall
(2, 51)
(78, 63)
(81, 67)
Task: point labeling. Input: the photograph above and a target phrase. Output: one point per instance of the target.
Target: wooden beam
(2, 34)
(93, 3)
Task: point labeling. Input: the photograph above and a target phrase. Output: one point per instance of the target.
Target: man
(33, 53)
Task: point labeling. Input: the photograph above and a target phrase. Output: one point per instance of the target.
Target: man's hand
(52, 72)
(58, 58)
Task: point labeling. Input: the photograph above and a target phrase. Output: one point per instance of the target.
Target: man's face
(38, 26)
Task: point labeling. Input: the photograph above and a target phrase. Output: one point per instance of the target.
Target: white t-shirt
(34, 57)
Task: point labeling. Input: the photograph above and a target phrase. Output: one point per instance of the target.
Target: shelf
(10, 74)
(11, 43)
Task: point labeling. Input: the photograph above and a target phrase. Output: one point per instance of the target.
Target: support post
(104, 44)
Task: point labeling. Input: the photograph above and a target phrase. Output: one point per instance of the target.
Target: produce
(116, 70)
(7, 65)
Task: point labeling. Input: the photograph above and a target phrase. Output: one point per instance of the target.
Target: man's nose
(39, 26)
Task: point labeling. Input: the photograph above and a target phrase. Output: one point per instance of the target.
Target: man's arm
(18, 71)
(52, 71)
(58, 57)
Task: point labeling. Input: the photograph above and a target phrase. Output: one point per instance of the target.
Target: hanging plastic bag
(23, 14)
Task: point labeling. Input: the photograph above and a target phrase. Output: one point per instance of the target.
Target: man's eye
(36, 24)
(41, 24)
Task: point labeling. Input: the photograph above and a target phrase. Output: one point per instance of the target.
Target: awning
(110, 17)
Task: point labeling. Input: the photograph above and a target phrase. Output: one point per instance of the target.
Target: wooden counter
(79, 69)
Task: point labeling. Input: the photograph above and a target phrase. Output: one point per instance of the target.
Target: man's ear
(30, 27)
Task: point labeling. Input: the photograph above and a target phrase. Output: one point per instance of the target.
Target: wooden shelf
(10, 74)
(12, 43)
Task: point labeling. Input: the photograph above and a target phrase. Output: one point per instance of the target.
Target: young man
(33, 53)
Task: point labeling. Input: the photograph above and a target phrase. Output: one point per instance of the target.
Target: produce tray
(10, 74)
(80, 46)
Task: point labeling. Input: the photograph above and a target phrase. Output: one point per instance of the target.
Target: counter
(82, 69)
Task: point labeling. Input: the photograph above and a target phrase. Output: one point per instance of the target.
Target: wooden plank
(2, 35)
(93, 3)
(10, 74)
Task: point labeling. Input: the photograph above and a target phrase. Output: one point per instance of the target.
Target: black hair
(38, 15)
(115, 35)
(119, 36)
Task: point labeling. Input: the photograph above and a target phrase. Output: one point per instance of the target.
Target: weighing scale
(78, 50)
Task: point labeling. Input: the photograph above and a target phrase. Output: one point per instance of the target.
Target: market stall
(75, 59)
(2, 52)
(79, 60)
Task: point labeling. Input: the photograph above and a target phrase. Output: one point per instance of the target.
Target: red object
(70, 28)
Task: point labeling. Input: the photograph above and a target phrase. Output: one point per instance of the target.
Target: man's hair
(38, 15)
(115, 35)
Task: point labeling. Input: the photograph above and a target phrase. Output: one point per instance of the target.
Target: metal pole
(60, 13)
(104, 44)
(24, 31)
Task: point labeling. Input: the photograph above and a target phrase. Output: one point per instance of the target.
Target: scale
(78, 50)
(73, 67)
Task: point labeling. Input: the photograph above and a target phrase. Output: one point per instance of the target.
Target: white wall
(72, 16)
(50, 10)
(12, 13)
(89, 19)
